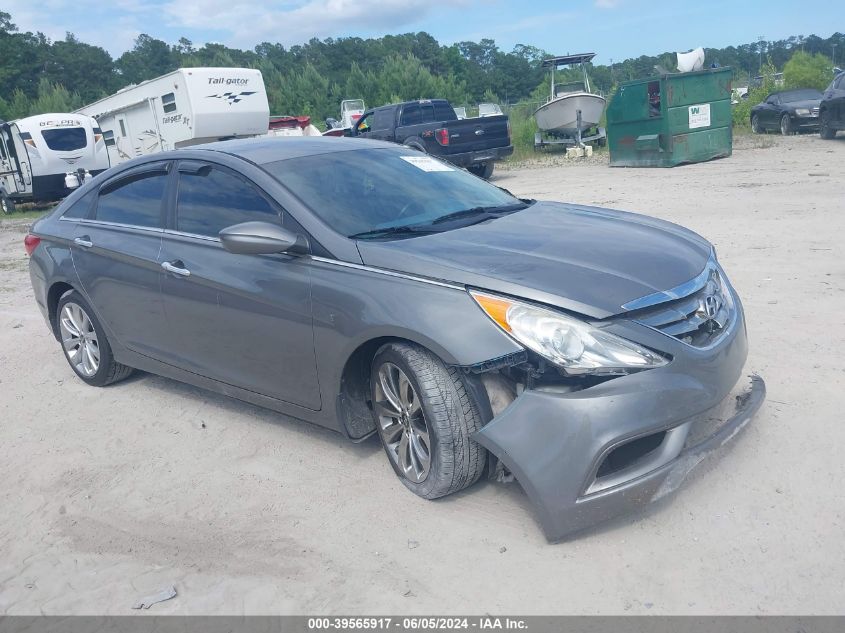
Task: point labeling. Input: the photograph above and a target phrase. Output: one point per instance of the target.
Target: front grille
(816, 111)
(699, 318)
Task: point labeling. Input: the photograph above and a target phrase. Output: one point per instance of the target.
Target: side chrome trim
(678, 292)
(386, 272)
(196, 236)
(117, 225)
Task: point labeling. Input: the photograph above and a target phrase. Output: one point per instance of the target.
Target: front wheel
(6, 204)
(755, 125)
(825, 131)
(425, 417)
(786, 125)
(84, 342)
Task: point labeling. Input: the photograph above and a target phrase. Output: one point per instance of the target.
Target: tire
(416, 145)
(825, 131)
(755, 125)
(92, 359)
(786, 126)
(7, 205)
(436, 414)
(482, 170)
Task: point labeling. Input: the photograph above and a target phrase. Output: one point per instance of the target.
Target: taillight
(30, 243)
(442, 135)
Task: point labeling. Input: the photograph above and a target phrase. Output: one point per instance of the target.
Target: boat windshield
(569, 88)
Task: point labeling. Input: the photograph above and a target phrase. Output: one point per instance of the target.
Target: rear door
(243, 320)
(115, 252)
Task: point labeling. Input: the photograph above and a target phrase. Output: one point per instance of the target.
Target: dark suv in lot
(832, 108)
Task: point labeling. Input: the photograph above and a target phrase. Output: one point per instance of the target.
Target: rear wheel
(755, 125)
(786, 125)
(825, 131)
(482, 170)
(84, 343)
(425, 418)
(6, 204)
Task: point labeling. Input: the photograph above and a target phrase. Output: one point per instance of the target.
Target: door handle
(84, 241)
(172, 267)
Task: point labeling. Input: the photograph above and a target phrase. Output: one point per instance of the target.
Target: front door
(243, 320)
(115, 253)
(15, 174)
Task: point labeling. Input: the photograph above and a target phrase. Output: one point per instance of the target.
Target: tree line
(39, 75)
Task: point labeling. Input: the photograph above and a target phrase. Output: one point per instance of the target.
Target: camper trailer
(44, 157)
(186, 107)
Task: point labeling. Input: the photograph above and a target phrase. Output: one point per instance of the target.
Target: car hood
(584, 259)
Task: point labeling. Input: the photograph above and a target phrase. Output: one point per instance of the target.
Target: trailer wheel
(6, 203)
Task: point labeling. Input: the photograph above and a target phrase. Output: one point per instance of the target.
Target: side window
(135, 200)
(840, 83)
(383, 119)
(211, 199)
(427, 112)
(168, 102)
(411, 114)
(82, 207)
(364, 123)
(444, 112)
(122, 127)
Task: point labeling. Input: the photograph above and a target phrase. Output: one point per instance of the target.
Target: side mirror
(261, 238)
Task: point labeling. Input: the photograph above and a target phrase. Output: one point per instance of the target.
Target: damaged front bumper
(587, 456)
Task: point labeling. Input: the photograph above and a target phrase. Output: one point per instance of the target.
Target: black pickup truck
(431, 126)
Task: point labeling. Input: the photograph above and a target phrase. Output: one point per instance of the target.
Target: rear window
(135, 201)
(800, 95)
(65, 139)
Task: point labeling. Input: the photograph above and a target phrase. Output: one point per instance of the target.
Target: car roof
(271, 149)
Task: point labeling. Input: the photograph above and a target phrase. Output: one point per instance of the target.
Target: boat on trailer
(572, 110)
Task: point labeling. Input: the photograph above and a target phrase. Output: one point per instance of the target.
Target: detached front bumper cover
(556, 444)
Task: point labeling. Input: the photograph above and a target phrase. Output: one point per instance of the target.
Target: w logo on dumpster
(699, 116)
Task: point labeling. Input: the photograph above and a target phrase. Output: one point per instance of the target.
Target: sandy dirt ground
(108, 495)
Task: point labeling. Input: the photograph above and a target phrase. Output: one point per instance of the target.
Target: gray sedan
(593, 355)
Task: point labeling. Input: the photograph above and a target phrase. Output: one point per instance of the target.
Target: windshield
(381, 190)
(65, 139)
(800, 95)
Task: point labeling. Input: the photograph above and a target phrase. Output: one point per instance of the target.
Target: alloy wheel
(79, 339)
(402, 424)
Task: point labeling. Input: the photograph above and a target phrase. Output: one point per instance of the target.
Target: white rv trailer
(43, 157)
(186, 107)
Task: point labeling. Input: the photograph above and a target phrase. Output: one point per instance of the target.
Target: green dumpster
(671, 119)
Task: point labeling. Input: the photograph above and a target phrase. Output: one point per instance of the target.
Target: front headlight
(802, 112)
(573, 345)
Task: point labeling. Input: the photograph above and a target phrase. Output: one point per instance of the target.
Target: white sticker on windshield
(426, 163)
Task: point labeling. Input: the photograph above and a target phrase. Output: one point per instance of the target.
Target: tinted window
(212, 199)
(840, 83)
(427, 112)
(411, 114)
(383, 119)
(364, 190)
(800, 95)
(65, 139)
(82, 207)
(168, 102)
(444, 112)
(136, 200)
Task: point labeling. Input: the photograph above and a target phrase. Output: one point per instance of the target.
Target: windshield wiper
(491, 211)
(392, 230)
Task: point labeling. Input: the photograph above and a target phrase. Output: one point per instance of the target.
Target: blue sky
(612, 28)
